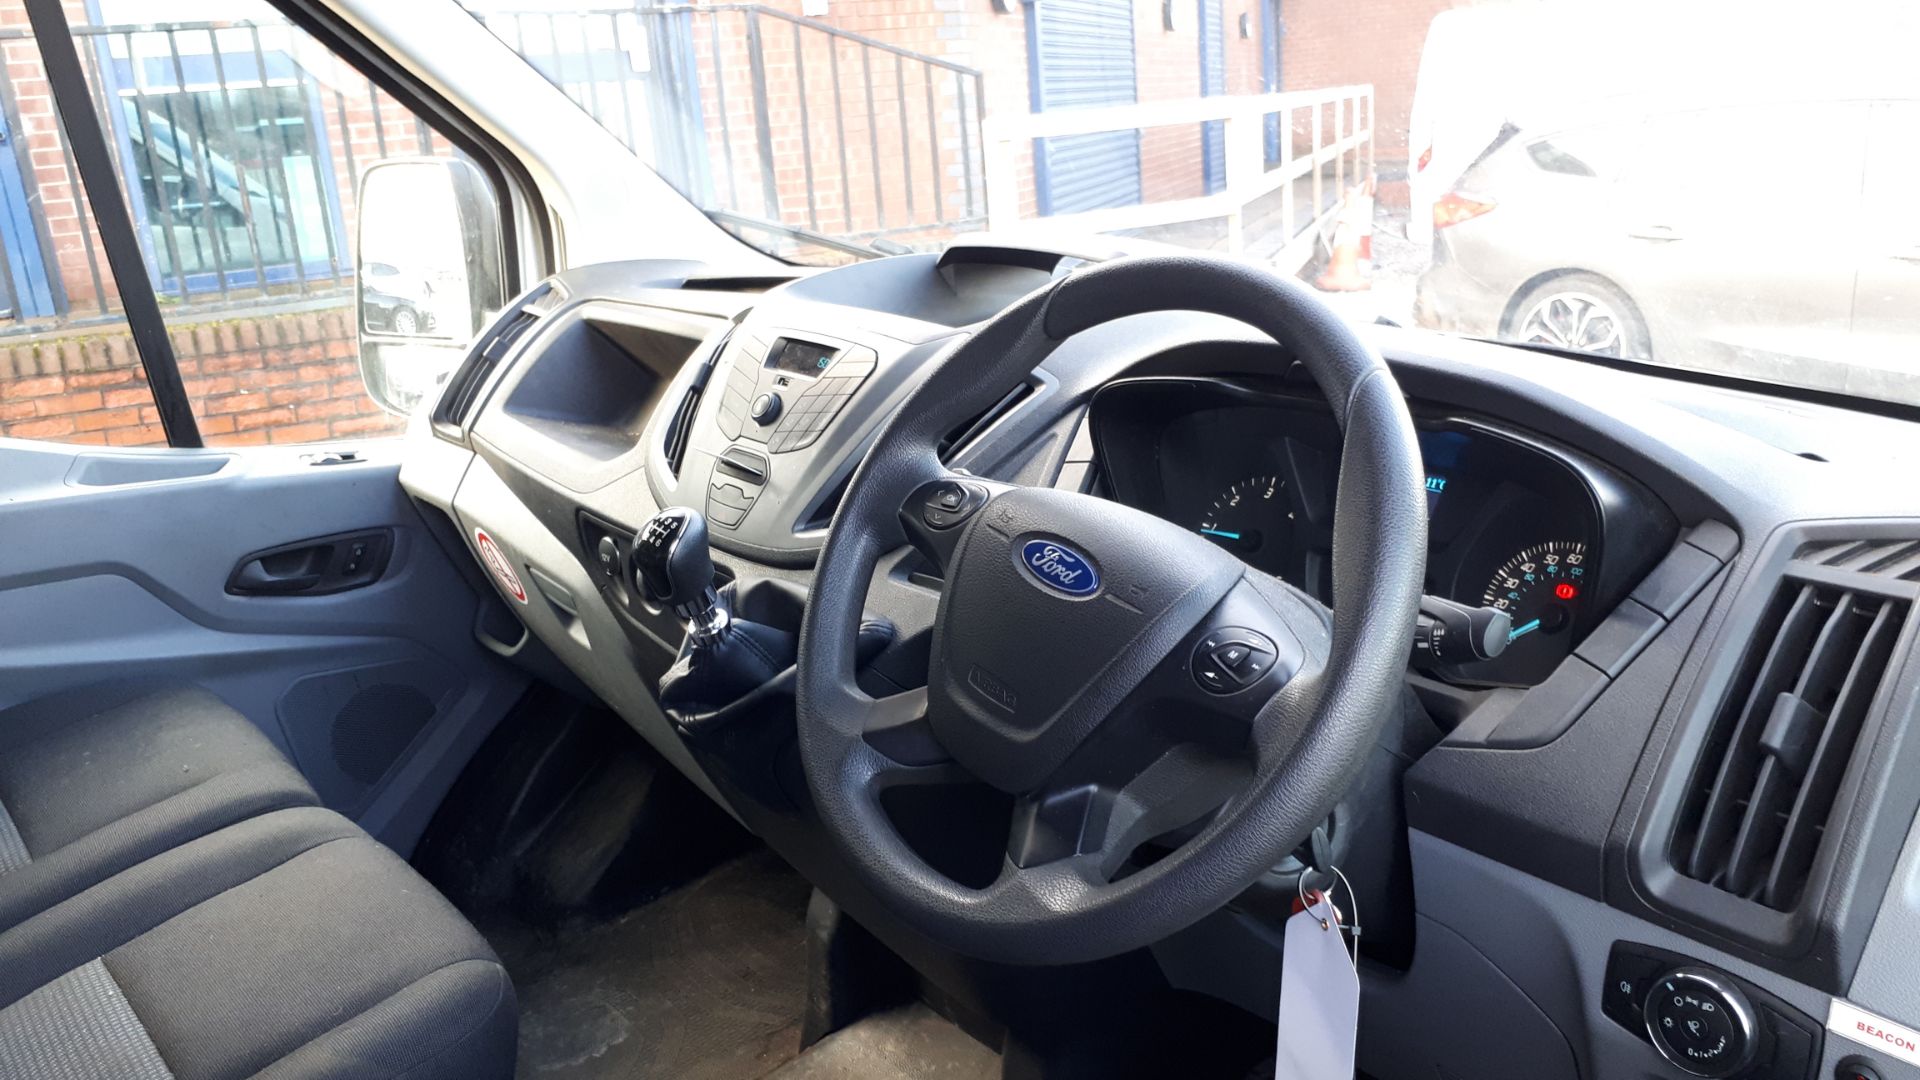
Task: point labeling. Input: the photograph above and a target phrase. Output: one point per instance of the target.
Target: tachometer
(1540, 589)
(1253, 519)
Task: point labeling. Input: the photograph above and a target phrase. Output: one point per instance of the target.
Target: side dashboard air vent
(493, 345)
(1779, 747)
(975, 426)
(680, 429)
(1898, 560)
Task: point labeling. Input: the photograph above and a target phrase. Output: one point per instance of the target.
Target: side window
(240, 144)
(1585, 152)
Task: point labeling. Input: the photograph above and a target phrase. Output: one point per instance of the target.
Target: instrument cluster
(1511, 524)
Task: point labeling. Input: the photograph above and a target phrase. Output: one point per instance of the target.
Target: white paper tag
(1895, 1040)
(1319, 999)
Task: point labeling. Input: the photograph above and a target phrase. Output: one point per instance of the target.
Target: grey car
(1774, 240)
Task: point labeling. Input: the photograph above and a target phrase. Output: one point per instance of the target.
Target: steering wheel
(1122, 679)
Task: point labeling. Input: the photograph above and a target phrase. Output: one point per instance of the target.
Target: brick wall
(61, 207)
(920, 174)
(1167, 68)
(1323, 43)
(1335, 42)
(359, 125)
(285, 378)
(252, 377)
(966, 32)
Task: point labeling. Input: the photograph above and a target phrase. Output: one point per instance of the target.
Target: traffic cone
(1366, 229)
(1352, 242)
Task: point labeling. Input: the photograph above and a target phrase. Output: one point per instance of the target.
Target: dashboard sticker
(498, 566)
(1863, 1027)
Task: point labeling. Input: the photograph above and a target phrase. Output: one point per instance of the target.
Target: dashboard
(1512, 524)
(1666, 550)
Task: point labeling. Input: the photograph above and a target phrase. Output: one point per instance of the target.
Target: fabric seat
(287, 945)
(96, 780)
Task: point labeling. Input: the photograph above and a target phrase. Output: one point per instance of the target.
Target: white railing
(1348, 148)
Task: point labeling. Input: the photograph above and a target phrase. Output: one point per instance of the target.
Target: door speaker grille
(375, 726)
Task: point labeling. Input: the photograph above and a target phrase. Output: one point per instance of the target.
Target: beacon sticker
(1849, 1021)
(498, 566)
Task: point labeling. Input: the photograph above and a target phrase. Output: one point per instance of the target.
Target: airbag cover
(1057, 606)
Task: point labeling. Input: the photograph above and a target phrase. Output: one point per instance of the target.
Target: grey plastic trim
(1888, 979)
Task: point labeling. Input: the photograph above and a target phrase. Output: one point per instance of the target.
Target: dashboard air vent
(1895, 559)
(680, 428)
(977, 425)
(493, 345)
(1778, 749)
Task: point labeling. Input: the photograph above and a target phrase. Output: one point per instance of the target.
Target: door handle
(1912, 254)
(287, 573)
(1662, 233)
(317, 567)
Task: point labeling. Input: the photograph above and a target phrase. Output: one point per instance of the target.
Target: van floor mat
(909, 1043)
(708, 982)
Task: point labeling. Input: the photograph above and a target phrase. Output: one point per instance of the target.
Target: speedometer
(1540, 589)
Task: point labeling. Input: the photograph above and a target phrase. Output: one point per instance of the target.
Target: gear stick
(673, 568)
(725, 658)
(722, 659)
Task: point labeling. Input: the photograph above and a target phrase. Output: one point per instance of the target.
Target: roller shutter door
(1082, 55)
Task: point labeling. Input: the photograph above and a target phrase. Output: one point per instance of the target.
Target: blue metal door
(25, 290)
(1271, 27)
(1213, 82)
(1081, 53)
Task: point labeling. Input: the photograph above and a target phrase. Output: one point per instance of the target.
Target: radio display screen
(801, 357)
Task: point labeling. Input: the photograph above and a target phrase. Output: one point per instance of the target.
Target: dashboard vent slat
(680, 427)
(1806, 823)
(1726, 803)
(965, 433)
(463, 390)
(1777, 752)
(1897, 559)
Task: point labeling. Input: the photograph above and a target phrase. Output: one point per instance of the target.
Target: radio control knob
(765, 409)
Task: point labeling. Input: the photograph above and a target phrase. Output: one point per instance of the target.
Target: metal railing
(762, 113)
(1324, 144)
(239, 147)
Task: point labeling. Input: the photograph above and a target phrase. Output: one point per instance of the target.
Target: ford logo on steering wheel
(1059, 567)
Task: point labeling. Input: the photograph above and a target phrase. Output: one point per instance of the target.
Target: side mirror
(429, 274)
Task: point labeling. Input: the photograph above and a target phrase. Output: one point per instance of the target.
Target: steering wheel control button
(765, 409)
(947, 503)
(1229, 660)
(1210, 677)
(1701, 1022)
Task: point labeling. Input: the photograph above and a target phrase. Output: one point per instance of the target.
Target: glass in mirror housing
(429, 273)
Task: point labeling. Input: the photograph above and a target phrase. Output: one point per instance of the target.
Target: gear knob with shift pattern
(724, 659)
(672, 567)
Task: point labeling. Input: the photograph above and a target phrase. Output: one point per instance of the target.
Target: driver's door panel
(181, 565)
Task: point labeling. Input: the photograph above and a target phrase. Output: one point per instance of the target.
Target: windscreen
(1721, 185)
